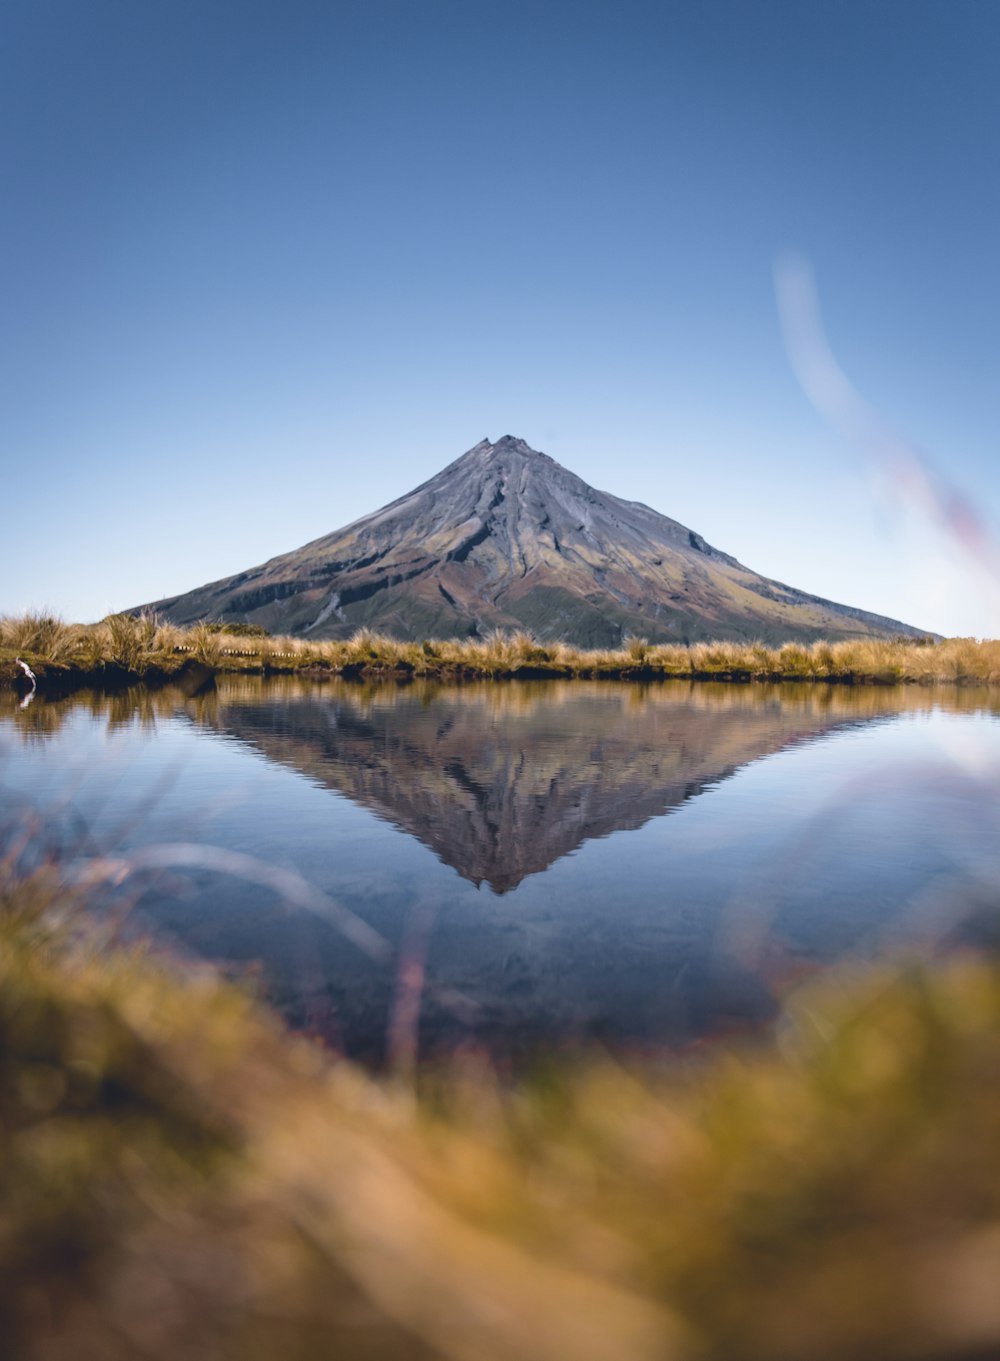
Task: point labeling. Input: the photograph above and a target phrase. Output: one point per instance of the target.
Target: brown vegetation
(141, 645)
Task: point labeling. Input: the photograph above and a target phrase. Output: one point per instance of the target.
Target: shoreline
(125, 650)
(55, 680)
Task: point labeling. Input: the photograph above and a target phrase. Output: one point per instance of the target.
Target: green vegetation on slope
(125, 646)
(181, 1177)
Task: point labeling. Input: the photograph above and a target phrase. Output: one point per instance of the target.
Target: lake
(521, 867)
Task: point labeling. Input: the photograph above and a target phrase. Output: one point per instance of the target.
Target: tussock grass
(39, 635)
(206, 644)
(142, 644)
(130, 643)
(129, 640)
(181, 1176)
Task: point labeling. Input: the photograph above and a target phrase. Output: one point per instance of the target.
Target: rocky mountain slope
(505, 537)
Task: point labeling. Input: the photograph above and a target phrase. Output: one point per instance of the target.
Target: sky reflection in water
(554, 863)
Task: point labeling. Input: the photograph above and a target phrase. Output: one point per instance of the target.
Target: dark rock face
(505, 537)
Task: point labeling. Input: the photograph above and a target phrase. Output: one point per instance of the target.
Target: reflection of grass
(539, 705)
(179, 1176)
(142, 645)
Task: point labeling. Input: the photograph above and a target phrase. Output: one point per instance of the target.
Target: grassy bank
(182, 1177)
(123, 646)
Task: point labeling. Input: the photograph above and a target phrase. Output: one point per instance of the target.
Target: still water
(522, 866)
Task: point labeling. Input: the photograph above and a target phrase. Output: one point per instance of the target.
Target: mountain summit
(505, 537)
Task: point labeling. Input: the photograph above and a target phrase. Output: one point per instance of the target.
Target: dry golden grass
(139, 644)
(39, 635)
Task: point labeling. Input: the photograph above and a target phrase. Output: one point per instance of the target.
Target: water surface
(526, 865)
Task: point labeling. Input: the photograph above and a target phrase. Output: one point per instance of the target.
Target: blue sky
(268, 265)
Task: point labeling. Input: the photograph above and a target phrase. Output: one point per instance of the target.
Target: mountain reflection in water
(872, 821)
(502, 780)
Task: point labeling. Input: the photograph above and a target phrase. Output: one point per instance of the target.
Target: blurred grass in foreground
(181, 1177)
(144, 646)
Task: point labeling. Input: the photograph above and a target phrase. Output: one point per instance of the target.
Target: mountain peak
(507, 444)
(511, 456)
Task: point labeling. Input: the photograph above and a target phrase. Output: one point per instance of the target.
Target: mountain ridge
(506, 537)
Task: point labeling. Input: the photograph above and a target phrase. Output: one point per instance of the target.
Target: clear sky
(268, 265)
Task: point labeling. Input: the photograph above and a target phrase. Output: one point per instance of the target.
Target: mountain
(505, 537)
